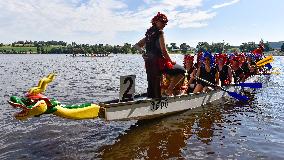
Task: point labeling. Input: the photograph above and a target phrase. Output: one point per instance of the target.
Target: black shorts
(176, 70)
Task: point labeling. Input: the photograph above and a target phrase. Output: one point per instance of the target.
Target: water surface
(225, 129)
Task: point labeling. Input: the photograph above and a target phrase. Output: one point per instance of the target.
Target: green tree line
(60, 47)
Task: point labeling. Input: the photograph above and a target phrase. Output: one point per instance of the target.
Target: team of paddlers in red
(220, 69)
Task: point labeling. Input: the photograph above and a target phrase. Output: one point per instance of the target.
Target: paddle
(265, 61)
(232, 94)
(268, 65)
(250, 85)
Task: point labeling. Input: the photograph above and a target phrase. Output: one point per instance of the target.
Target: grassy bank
(18, 49)
(27, 49)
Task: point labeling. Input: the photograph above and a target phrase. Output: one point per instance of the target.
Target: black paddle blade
(238, 96)
(251, 85)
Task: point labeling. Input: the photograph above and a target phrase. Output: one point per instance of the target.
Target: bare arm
(192, 76)
(163, 47)
(139, 45)
(198, 72)
(218, 83)
(230, 74)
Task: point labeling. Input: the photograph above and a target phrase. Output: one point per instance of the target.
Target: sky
(116, 22)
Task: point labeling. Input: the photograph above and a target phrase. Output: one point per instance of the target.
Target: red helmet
(188, 58)
(159, 17)
(236, 59)
(221, 56)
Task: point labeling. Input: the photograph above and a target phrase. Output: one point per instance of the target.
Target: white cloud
(92, 20)
(189, 4)
(225, 4)
(194, 20)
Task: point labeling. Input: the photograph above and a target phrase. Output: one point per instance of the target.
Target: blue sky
(120, 21)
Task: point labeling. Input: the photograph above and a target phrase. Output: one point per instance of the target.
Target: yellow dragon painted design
(35, 104)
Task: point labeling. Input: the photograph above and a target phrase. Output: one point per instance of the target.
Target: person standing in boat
(208, 72)
(225, 71)
(258, 52)
(156, 56)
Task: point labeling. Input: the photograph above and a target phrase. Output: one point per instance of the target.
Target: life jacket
(153, 47)
(257, 51)
(208, 76)
(238, 74)
(152, 41)
(224, 75)
(245, 67)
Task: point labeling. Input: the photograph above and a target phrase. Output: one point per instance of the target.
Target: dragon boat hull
(142, 108)
(139, 107)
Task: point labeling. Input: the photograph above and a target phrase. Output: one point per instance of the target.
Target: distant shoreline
(60, 47)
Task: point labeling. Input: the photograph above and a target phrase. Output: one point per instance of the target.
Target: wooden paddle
(232, 94)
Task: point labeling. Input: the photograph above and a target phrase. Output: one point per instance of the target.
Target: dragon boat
(128, 106)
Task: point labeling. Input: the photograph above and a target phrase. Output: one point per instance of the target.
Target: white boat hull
(150, 108)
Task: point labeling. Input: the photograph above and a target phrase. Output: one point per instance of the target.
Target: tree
(202, 46)
(169, 48)
(226, 47)
(116, 49)
(38, 49)
(134, 50)
(267, 47)
(126, 48)
(174, 47)
(282, 48)
(217, 47)
(42, 50)
(184, 48)
(248, 47)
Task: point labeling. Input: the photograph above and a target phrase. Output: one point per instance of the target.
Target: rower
(237, 71)
(191, 69)
(248, 65)
(258, 52)
(225, 71)
(207, 72)
(174, 78)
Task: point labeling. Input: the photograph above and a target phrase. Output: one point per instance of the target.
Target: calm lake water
(225, 129)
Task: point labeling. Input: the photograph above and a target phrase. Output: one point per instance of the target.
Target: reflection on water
(169, 137)
(225, 129)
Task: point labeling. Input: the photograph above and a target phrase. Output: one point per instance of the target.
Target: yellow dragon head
(28, 106)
